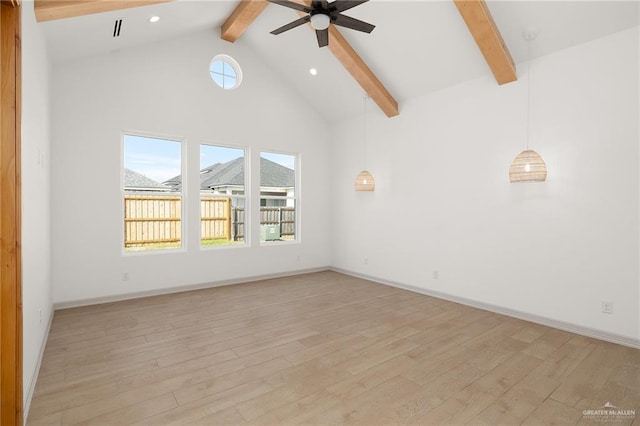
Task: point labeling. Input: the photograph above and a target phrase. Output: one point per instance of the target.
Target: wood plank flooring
(320, 349)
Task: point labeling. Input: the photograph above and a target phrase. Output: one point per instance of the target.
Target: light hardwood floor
(319, 349)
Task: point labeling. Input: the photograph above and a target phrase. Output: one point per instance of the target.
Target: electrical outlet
(40, 316)
(607, 307)
(436, 275)
(366, 260)
(298, 258)
(125, 276)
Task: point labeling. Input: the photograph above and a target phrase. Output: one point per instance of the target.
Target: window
(278, 200)
(222, 195)
(151, 192)
(225, 72)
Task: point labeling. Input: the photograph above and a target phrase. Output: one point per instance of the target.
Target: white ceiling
(417, 46)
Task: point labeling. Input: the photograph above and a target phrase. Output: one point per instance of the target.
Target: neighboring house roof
(232, 174)
(136, 181)
(275, 175)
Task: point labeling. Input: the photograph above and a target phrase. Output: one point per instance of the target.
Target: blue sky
(159, 159)
(283, 159)
(211, 154)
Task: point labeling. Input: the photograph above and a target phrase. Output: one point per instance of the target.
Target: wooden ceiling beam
(359, 70)
(49, 10)
(244, 14)
(478, 18)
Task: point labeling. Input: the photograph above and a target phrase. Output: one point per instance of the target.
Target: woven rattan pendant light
(528, 166)
(364, 180)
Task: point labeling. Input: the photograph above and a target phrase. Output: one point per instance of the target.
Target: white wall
(443, 201)
(165, 88)
(36, 222)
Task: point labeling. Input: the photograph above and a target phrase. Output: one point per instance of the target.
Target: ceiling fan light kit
(320, 21)
(528, 166)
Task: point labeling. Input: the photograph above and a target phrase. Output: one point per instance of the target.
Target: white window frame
(181, 194)
(296, 198)
(246, 197)
(229, 60)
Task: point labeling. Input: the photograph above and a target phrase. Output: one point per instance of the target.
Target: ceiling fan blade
(292, 5)
(342, 5)
(352, 23)
(291, 25)
(323, 37)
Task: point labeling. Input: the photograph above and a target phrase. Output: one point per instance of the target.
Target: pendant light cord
(364, 132)
(528, 89)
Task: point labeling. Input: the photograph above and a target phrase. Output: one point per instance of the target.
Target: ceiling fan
(320, 14)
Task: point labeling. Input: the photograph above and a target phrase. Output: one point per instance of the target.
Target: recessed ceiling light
(313, 71)
(154, 19)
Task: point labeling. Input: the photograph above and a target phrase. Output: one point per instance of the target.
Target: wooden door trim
(10, 215)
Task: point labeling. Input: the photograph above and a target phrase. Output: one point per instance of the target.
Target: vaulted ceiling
(417, 46)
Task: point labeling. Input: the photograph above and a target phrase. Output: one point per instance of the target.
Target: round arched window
(225, 72)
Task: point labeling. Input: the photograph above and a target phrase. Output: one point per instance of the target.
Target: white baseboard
(180, 289)
(561, 325)
(34, 379)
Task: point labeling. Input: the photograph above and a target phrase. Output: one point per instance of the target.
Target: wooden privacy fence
(152, 219)
(215, 218)
(283, 217)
